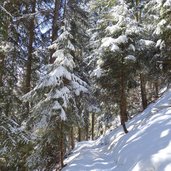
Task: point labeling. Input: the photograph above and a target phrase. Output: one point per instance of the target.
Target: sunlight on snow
(164, 133)
(147, 146)
(168, 168)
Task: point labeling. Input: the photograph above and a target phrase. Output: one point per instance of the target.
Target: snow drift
(147, 146)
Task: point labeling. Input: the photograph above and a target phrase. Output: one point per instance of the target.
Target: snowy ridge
(147, 146)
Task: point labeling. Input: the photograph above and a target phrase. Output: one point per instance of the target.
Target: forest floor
(147, 146)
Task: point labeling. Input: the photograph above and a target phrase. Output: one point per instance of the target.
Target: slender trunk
(65, 3)
(156, 86)
(62, 144)
(140, 11)
(123, 102)
(72, 138)
(92, 127)
(86, 125)
(136, 13)
(143, 91)
(55, 27)
(1, 68)
(87, 130)
(79, 134)
(30, 56)
(55, 20)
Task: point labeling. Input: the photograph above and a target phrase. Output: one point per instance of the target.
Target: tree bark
(156, 86)
(138, 11)
(92, 126)
(55, 20)
(62, 144)
(55, 27)
(72, 138)
(123, 102)
(79, 134)
(143, 91)
(30, 56)
(87, 130)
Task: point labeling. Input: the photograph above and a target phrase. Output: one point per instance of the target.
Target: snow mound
(147, 146)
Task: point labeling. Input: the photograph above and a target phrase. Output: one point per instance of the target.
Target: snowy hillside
(147, 146)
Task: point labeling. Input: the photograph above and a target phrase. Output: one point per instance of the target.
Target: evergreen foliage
(68, 69)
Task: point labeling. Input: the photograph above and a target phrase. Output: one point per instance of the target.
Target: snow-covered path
(147, 146)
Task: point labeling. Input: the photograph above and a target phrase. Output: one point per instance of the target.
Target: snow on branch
(8, 13)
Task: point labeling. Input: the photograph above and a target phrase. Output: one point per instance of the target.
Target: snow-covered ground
(147, 146)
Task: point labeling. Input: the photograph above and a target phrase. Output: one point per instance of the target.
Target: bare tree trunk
(72, 138)
(92, 126)
(156, 86)
(30, 57)
(79, 134)
(62, 143)
(143, 91)
(55, 26)
(138, 10)
(123, 102)
(136, 13)
(87, 130)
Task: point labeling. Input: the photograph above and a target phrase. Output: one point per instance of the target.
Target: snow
(121, 39)
(131, 47)
(109, 42)
(5, 46)
(97, 72)
(130, 58)
(64, 36)
(147, 146)
(64, 59)
(160, 26)
(113, 29)
(167, 3)
(146, 42)
(158, 43)
(114, 48)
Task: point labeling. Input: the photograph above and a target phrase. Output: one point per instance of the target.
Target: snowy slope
(147, 146)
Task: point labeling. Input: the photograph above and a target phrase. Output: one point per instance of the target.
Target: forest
(72, 69)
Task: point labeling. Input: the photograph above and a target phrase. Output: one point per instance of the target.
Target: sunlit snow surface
(147, 146)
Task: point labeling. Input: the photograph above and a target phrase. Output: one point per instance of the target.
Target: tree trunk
(123, 102)
(72, 138)
(1, 68)
(87, 130)
(92, 126)
(55, 26)
(30, 57)
(62, 144)
(143, 91)
(55, 20)
(156, 86)
(138, 11)
(79, 134)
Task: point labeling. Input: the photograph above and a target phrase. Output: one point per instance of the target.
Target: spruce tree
(57, 101)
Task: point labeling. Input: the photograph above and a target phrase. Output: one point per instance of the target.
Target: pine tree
(55, 99)
(117, 58)
(162, 32)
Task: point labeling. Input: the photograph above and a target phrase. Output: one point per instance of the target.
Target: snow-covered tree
(116, 63)
(162, 32)
(56, 98)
